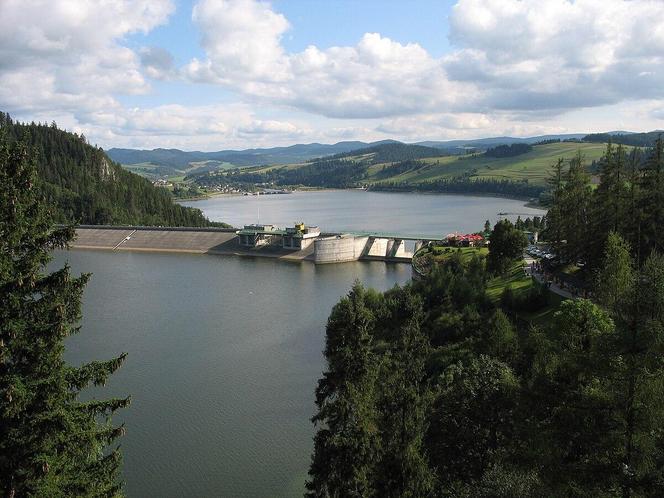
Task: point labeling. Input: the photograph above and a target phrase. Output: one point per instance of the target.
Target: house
(465, 240)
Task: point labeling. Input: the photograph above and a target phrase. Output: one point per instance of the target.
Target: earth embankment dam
(174, 240)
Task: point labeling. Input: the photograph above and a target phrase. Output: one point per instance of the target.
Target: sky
(234, 74)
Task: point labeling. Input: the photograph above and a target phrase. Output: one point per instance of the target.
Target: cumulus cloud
(558, 54)
(508, 55)
(206, 127)
(60, 55)
(377, 77)
(242, 41)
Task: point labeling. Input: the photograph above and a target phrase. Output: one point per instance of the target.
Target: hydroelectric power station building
(297, 237)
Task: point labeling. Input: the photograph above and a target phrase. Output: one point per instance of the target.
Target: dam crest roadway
(297, 243)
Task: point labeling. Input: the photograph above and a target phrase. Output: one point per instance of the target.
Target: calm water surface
(224, 355)
(338, 210)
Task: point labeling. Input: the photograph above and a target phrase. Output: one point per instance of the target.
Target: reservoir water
(224, 355)
(338, 210)
(225, 352)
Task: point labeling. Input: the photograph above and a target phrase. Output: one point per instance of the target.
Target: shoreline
(528, 201)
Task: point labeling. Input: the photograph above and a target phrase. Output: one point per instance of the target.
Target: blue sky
(216, 74)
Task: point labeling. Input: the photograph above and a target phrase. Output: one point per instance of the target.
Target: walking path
(540, 277)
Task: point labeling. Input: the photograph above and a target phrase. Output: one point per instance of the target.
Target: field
(520, 283)
(533, 166)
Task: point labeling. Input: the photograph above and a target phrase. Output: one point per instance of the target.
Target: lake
(357, 210)
(224, 355)
(225, 352)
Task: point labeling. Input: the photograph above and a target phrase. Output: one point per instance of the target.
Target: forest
(508, 150)
(393, 152)
(466, 185)
(435, 389)
(331, 173)
(82, 185)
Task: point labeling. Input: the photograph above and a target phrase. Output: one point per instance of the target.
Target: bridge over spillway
(353, 246)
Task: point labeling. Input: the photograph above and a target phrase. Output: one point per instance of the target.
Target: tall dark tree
(574, 403)
(51, 443)
(576, 211)
(554, 215)
(347, 442)
(472, 422)
(609, 200)
(403, 470)
(506, 244)
(639, 381)
(652, 200)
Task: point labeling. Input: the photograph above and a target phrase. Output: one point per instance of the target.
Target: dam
(297, 243)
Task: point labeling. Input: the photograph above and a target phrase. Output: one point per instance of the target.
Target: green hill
(391, 152)
(84, 186)
(532, 166)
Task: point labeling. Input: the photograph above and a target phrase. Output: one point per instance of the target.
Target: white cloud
(62, 55)
(377, 77)
(558, 54)
(242, 41)
(210, 127)
(509, 55)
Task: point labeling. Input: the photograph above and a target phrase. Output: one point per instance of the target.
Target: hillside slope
(84, 186)
(412, 168)
(532, 167)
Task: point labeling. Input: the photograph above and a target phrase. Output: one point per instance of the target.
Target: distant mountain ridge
(180, 160)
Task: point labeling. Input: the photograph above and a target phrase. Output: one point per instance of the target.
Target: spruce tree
(51, 443)
(575, 211)
(404, 402)
(639, 383)
(346, 444)
(609, 200)
(652, 200)
(554, 218)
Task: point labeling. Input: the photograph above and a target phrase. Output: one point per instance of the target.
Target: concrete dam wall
(347, 247)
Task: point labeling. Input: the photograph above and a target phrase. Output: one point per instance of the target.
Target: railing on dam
(157, 228)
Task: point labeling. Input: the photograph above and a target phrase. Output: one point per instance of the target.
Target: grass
(442, 253)
(515, 278)
(533, 166)
(520, 283)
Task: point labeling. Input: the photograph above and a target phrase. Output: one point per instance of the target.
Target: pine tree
(405, 400)
(575, 211)
(639, 383)
(346, 444)
(554, 218)
(609, 201)
(473, 421)
(652, 200)
(51, 444)
(633, 217)
(572, 399)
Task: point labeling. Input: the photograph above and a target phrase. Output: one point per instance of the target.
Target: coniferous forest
(82, 185)
(434, 389)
